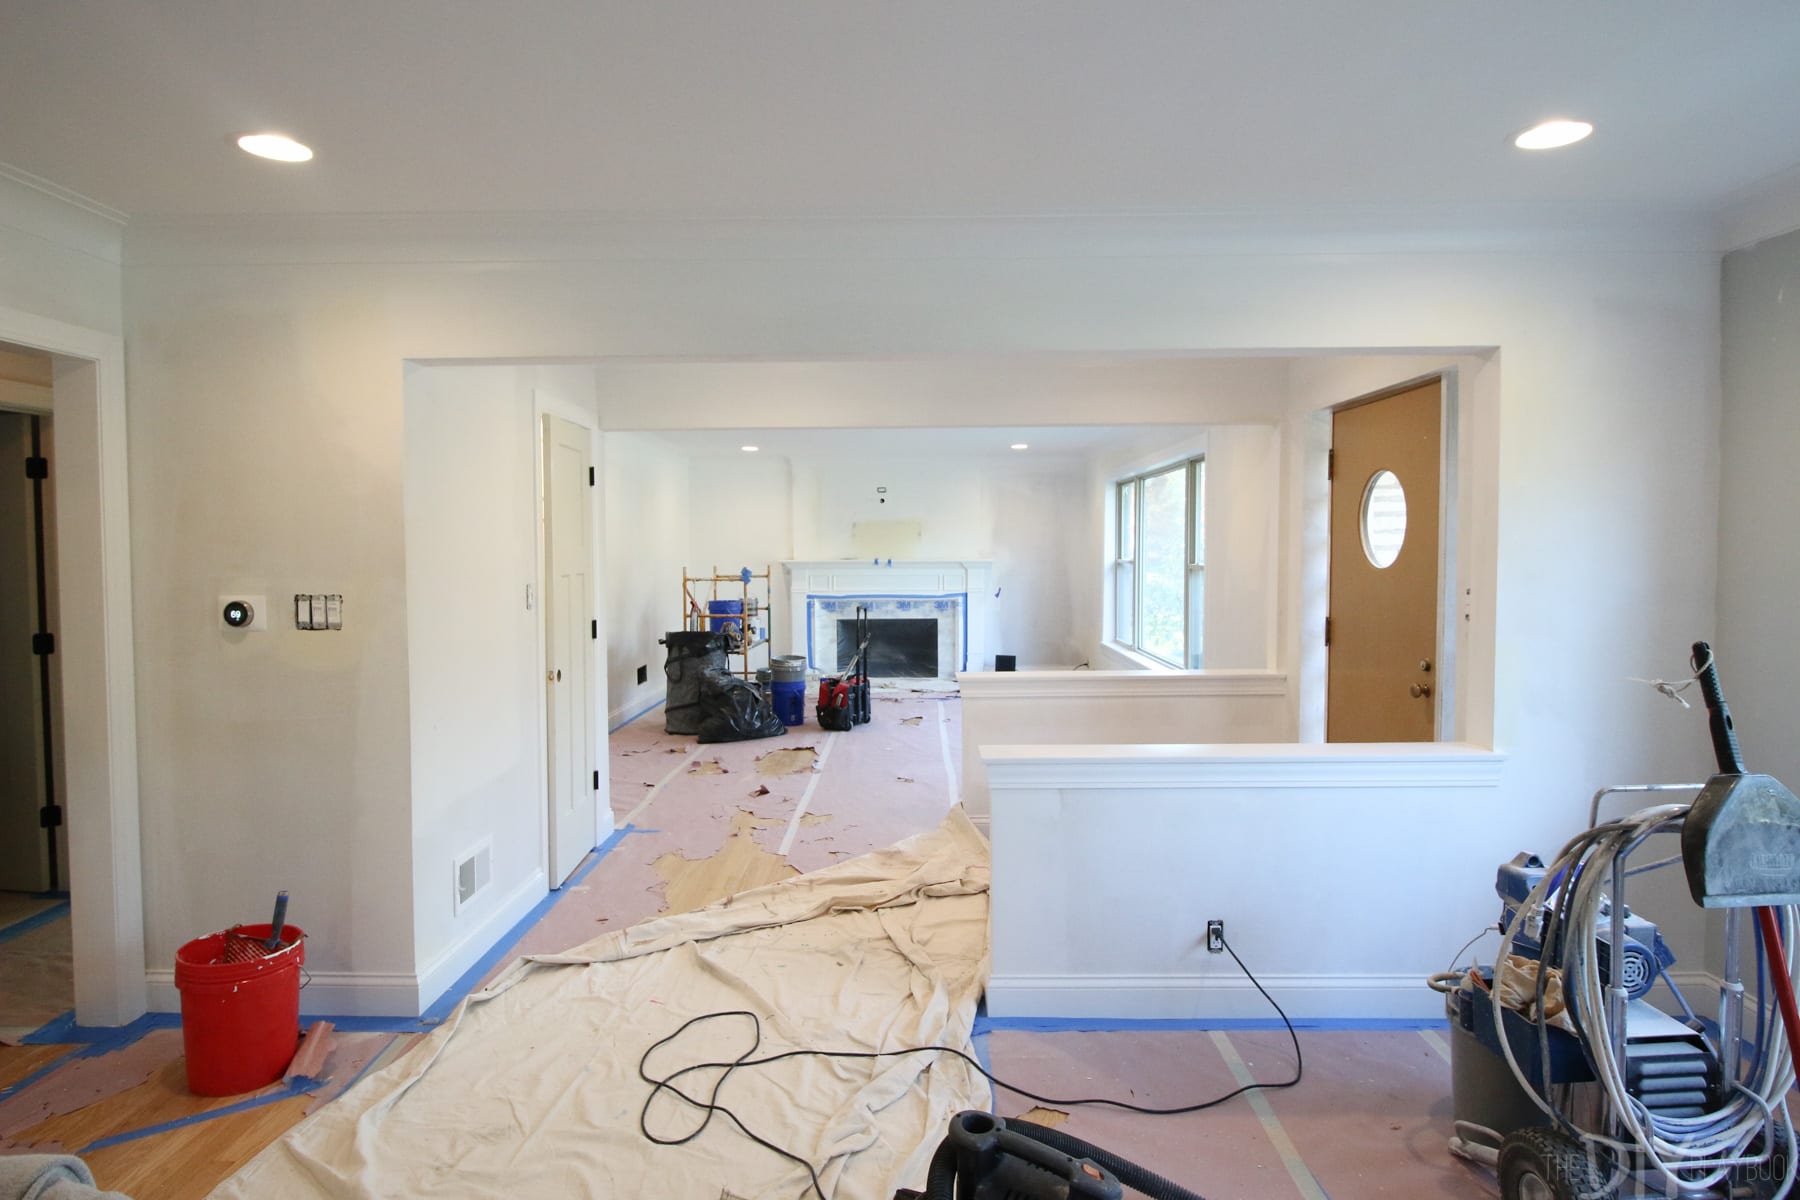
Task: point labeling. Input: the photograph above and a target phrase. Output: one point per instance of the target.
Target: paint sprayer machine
(1567, 1077)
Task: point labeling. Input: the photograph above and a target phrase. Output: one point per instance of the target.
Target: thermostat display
(243, 614)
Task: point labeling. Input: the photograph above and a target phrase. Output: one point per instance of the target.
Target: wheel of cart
(1764, 1181)
(1547, 1164)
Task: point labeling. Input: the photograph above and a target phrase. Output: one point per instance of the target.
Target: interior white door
(23, 866)
(569, 644)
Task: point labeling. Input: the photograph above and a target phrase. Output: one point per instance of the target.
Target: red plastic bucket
(240, 1021)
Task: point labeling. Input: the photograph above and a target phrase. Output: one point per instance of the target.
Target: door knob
(1420, 690)
(553, 676)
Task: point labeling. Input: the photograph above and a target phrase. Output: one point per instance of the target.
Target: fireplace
(899, 647)
(927, 618)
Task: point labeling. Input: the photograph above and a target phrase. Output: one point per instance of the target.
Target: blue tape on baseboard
(643, 712)
(19, 928)
(453, 995)
(99, 1039)
(987, 1024)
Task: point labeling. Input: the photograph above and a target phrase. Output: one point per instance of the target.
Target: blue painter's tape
(100, 1039)
(987, 1024)
(633, 717)
(12, 1089)
(453, 995)
(299, 1086)
(56, 912)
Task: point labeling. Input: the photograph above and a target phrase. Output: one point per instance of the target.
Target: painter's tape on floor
(686, 761)
(943, 724)
(1272, 1129)
(812, 785)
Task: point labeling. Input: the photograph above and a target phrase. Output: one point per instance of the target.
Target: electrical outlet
(644, 674)
(1215, 937)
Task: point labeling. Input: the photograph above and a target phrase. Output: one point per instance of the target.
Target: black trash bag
(734, 710)
(693, 655)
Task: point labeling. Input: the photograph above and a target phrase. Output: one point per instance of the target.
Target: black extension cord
(710, 1105)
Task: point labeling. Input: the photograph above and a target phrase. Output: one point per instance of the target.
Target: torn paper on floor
(532, 1087)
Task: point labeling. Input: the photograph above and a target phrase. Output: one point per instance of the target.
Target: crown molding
(473, 238)
(1766, 209)
(46, 210)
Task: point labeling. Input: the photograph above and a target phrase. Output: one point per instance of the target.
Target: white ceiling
(806, 108)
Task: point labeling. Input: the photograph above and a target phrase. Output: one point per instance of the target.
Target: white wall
(1079, 708)
(266, 360)
(1321, 861)
(949, 380)
(647, 526)
(740, 514)
(1758, 641)
(472, 534)
(268, 457)
(1016, 510)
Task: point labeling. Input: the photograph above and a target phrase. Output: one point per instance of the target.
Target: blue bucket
(735, 607)
(790, 700)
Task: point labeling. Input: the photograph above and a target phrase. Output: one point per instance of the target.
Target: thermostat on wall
(244, 614)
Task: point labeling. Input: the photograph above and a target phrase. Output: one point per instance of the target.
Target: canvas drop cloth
(532, 1087)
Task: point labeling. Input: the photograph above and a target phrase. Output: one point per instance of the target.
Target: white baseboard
(367, 994)
(1204, 997)
(328, 994)
(448, 966)
(634, 708)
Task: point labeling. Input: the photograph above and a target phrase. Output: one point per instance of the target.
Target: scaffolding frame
(747, 632)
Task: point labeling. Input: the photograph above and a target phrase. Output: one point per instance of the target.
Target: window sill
(1130, 659)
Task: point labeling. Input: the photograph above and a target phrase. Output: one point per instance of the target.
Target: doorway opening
(36, 949)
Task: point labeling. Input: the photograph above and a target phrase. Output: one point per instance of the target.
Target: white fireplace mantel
(967, 581)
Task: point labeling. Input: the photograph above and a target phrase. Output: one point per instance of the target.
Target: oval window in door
(1383, 518)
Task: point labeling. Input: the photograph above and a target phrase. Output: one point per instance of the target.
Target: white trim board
(99, 708)
(1337, 765)
(1212, 997)
(324, 994)
(436, 977)
(389, 994)
(1084, 685)
(631, 710)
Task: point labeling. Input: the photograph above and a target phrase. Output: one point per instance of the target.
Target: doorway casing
(93, 533)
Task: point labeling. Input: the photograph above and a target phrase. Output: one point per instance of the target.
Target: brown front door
(1381, 677)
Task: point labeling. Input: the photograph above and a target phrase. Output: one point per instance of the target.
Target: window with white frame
(1159, 563)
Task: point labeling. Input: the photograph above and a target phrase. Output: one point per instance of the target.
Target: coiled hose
(940, 1181)
(1689, 1152)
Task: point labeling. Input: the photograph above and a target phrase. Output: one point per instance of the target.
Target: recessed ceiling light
(1548, 135)
(1021, 446)
(277, 146)
(749, 449)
